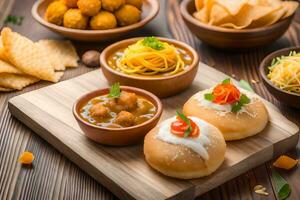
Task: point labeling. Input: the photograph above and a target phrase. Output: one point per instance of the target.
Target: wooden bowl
(283, 96)
(149, 11)
(117, 136)
(160, 86)
(226, 38)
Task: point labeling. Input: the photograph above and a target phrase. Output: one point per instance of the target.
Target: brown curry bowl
(225, 38)
(289, 98)
(117, 136)
(160, 86)
(149, 11)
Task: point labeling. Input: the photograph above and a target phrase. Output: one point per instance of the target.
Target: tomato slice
(179, 127)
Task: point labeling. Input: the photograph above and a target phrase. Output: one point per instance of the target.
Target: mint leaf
(245, 85)
(187, 121)
(226, 81)
(281, 186)
(244, 99)
(114, 91)
(238, 105)
(209, 97)
(153, 43)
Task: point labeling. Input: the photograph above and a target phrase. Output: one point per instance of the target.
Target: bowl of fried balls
(94, 20)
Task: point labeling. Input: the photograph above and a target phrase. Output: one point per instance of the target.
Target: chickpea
(125, 119)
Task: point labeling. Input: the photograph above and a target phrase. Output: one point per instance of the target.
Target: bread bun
(179, 160)
(234, 126)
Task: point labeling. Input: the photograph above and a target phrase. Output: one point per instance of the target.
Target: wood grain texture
(17, 182)
(48, 112)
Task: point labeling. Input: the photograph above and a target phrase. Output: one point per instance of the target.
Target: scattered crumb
(259, 189)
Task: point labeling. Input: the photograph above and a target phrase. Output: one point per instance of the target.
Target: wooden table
(55, 177)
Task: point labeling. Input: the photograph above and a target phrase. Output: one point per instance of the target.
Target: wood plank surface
(48, 112)
(55, 177)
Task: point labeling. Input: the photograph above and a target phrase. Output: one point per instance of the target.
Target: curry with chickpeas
(118, 111)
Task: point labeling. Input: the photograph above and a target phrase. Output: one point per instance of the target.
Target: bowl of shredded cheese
(281, 75)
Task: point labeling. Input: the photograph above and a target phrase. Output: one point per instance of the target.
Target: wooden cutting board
(47, 112)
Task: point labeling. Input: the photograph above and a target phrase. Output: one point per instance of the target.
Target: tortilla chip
(8, 68)
(27, 56)
(219, 15)
(2, 89)
(199, 4)
(291, 7)
(2, 52)
(61, 53)
(14, 81)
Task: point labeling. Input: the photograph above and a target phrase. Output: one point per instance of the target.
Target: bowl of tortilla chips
(238, 24)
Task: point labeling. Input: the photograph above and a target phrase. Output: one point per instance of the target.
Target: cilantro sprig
(153, 43)
(187, 121)
(114, 91)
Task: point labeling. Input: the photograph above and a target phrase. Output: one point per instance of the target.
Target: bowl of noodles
(162, 66)
(280, 72)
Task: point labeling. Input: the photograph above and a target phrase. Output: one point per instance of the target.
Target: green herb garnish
(282, 188)
(16, 20)
(209, 97)
(187, 121)
(238, 105)
(153, 43)
(114, 91)
(226, 81)
(245, 85)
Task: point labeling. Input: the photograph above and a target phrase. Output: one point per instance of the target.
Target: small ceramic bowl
(226, 38)
(149, 11)
(117, 136)
(283, 96)
(160, 86)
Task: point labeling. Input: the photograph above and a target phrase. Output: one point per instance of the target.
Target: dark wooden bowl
(149, 11)
(161, 86)
(117, 136)
(226, 38)
(283, 96)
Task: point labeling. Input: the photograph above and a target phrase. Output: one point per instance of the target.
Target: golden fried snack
(18, 82)
(73, 18)
(128, 15)
(112, 5)
(71, 3)
(136, 3)
(3, 89)
(103, 20)
(55, 12)
(89, 7)
(6, 67)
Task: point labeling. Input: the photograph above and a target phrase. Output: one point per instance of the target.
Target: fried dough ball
(73, 18)
(127, 15)
(71, 3)
(89, 7)
(125, 119)
(103, 20)
(55, 12)
(112, 5)
(136, 3)
(128, 100)
(98, 110)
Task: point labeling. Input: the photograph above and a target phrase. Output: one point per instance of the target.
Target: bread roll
(185, 158)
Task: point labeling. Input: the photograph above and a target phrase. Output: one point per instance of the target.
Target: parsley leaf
(226, 81)
(114, 91)
(209, 97)
(238, 105)
(16, 20)
(187, 121)
(153, 43)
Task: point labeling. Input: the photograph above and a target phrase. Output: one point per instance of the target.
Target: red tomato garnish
(179, 127)
(226, 94)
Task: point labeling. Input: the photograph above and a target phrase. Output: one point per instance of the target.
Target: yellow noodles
(285, 72)
(148, 60)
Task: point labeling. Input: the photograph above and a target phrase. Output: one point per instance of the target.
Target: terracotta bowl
(226, 38)
(160, 86)
(289, 98)
(117, 136)
(149, 11)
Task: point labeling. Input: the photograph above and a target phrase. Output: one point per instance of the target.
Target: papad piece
(8, 68)
(2, 89)
(15, 81)
(291, 7)
(27, 56)
(2, 52)
(62, 53)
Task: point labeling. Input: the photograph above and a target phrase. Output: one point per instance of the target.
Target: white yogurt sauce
(197, 144)
(224, 109)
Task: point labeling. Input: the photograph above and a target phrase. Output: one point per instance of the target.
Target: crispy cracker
(8, 68)
(2, 89)
(61, 53)
(27, 56)
(14, 81)
(2, 52)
